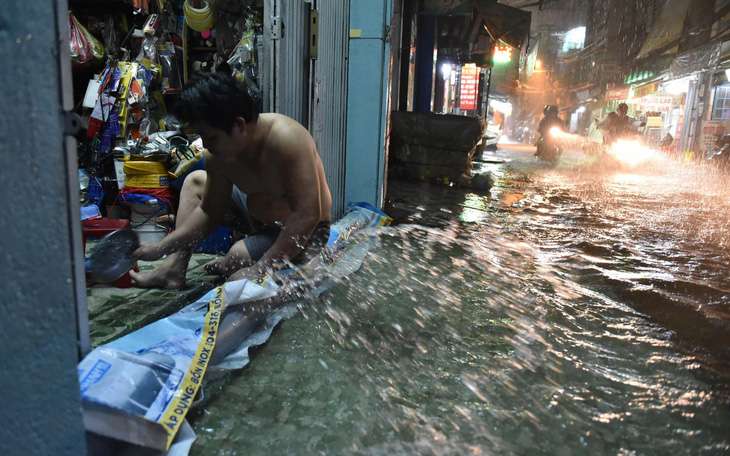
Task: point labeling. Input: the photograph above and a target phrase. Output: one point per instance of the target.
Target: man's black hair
(216, 99)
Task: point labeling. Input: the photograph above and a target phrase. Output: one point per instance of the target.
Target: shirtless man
(263, 174)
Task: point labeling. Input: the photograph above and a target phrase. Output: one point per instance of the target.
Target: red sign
(469, 81)
(619, 94)
(711, 129)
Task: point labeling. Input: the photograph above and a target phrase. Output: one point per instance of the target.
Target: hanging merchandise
(110, 34)
(199, 19)
(85, 49)
(243, 54)
(243, 65)
(225, 39)
(172, 80)
(141, 6)
(148, 50)
(131, 139)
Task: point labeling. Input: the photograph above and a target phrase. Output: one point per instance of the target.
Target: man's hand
(148, 252)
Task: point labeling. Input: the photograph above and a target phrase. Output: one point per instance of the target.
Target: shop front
(578, 116)
(716, 122)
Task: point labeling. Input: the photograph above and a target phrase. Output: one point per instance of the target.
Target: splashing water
(470, 339)
(586, 313)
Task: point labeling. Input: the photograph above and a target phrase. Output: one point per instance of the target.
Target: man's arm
(201, 221)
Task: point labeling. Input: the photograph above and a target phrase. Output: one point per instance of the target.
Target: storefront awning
(505, 23)
(701, 58)
(667, 29)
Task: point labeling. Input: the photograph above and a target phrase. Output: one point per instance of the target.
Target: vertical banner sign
(469, 81)
(446, 96)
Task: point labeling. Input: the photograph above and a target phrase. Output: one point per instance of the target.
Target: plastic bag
(243, 55)
(148, 50)
(224, 39)
(171, 71)
(110, 34)
(84, 47)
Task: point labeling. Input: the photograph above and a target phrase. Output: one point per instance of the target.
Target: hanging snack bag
(84, 47)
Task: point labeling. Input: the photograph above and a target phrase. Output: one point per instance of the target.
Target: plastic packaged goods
(85, 48)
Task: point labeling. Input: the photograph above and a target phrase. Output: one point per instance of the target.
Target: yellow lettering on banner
(180, 403)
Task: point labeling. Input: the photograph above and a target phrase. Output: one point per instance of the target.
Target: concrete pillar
(368, 101)
(40, 285)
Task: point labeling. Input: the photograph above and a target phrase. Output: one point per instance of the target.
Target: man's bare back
(260, 170)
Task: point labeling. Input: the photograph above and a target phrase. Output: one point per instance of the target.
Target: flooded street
(577, 309)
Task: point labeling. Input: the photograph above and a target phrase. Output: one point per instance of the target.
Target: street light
(446, 70)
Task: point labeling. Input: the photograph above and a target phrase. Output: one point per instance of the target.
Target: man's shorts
(259, 237)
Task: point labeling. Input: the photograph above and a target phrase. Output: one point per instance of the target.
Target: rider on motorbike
(547, 142)
(550, 120)
(617, 125)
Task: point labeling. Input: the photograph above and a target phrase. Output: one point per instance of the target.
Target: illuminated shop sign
(502, 53)
(469, 82)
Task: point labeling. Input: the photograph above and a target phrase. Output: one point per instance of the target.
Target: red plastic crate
(97, 229)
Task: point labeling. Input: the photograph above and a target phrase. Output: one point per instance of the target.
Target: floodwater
(581, 309)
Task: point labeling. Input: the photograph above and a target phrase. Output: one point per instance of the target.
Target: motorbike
(549, 147)
(599, 140)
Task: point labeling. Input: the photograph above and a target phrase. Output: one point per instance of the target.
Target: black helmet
(550, 109)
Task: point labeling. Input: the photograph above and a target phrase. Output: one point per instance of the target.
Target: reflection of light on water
(474, 208)
(518, 147)
(631, 152)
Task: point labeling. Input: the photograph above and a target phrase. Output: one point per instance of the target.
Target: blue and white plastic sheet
(139, 387)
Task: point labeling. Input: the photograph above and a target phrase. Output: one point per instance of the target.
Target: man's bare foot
(215, 267)
(161, 277)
